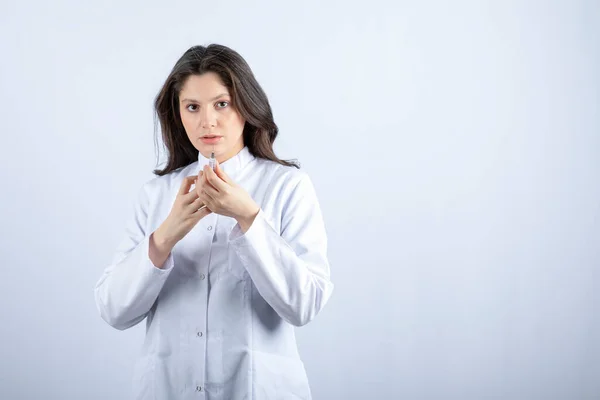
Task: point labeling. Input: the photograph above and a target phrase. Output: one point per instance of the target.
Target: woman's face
(209, 119)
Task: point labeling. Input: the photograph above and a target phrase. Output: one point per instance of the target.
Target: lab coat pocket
(143, 379)
(279, 377)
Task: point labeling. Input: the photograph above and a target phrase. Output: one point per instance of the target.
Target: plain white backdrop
(454, 146)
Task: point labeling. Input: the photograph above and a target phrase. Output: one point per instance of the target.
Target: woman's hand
(184, 215)
(223, 196)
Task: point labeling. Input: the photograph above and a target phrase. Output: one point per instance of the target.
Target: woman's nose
(208, 120)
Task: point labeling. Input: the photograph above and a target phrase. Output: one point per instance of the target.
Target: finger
(214, 180)
(200, 212)
(201, 185)
(221, 174)
(204, 181)
(195, 205)
(190, 197)
(198, 178)
(201, 192)
(210, 191)
(186, 184)
(208, 194)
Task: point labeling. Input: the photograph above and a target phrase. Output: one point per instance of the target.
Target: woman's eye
(222, 104)
(192, 107)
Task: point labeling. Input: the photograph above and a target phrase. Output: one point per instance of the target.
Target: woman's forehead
(205, 87)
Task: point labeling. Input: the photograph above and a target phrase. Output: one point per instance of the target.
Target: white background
(454, 146)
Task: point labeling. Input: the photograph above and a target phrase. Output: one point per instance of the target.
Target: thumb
(221, 174)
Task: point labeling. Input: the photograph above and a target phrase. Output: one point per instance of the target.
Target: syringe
(212, 162)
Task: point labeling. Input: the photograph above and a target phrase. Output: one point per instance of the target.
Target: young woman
(222, 263)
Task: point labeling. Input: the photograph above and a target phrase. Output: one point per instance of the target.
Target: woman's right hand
(184, 215)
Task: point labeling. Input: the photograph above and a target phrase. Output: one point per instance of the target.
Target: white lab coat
(220, 316)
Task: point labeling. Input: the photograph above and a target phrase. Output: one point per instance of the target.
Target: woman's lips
(210, 139)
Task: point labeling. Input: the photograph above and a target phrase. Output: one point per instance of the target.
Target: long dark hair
(247, 97)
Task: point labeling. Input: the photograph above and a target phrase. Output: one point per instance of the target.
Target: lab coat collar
(231, 166)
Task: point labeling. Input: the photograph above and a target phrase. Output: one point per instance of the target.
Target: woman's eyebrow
(214, 98)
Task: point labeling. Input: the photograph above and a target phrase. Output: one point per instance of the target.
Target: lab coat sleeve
(130, 285)
(290, 271)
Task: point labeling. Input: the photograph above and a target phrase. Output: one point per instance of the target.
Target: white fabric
(220, 316)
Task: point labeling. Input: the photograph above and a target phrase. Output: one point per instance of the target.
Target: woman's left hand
(223, 196)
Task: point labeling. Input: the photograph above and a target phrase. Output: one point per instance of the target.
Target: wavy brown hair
(247, 98)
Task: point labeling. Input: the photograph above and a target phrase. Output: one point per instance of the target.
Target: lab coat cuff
(257, 231)
(167, 266)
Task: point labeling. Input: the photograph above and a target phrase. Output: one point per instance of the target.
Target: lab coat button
(209, 228)
(199, 334)
(202, 276)
(198, 388)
